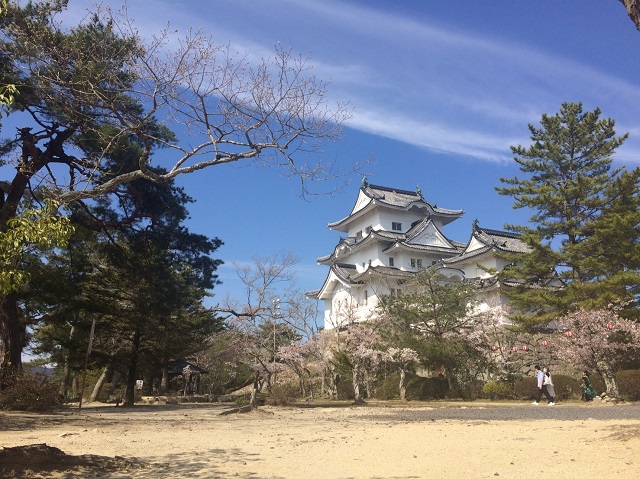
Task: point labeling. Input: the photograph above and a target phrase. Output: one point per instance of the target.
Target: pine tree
(433, 316)
(583, 233)
(82, 94)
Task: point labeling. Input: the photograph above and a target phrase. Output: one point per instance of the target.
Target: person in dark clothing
(588, 393)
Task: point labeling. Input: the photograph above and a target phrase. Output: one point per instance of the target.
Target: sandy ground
(376, 441)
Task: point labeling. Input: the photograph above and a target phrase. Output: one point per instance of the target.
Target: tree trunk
(333, 385)
(64, 384)
(187, 383)
(101, 382)
(13, 334)
(357, 386)
(130, 391)
(66, 374)
(403, 387)
(164, 382)
(303, 390)
(253, 403)
(610, 383)
(74, 386)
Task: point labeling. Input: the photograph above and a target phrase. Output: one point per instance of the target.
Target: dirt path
(439, 441)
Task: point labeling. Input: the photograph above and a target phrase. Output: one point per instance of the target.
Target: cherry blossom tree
(403, 358)
(507, 353)
(306, 356)
(357, 352)
(272, 320)
(298, 357)
(598, 340)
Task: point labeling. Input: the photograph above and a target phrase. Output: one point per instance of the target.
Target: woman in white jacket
(548, 385)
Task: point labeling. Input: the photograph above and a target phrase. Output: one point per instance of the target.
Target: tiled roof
(386, 271)
(395, 238)
(390, 235)
(505, 241)
(422, 247)
(470, 254)
(402, 198)
(346, 272)
(394, 198)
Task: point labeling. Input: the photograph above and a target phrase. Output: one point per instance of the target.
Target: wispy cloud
(411, 79)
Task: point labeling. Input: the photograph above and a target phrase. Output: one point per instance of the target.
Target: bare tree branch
(633, 9)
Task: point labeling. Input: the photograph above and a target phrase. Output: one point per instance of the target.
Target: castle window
(396, 226)
(390, 261)
(416, 263)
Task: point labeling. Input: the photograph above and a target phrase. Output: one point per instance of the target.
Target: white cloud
(409, 78)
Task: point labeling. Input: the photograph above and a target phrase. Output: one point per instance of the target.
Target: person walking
(541, 389)
(588, 393)
(547, 384)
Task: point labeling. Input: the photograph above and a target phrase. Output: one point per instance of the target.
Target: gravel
(560, 412)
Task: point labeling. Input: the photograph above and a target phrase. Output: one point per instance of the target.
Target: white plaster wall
(363, 255)
(388, 216)
(471, 269)
(348, 304)
(371, 219)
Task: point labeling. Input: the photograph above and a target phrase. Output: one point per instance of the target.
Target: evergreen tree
(143, 282)
(584, 236)
(432, 316)
(82, 94)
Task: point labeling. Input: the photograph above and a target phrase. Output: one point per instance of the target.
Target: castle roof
(371, 196)
(348, 275)
(424, 236)
(485, 240)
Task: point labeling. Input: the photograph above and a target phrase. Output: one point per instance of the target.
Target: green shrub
(345, 388)
(436, 388)
(283, 394)
(419, 388)
(413, 388)
(30, 392)
(525, 388)
(566, 387)
(597, 382)
(498, 390)
(472, 390)
(629, 384)
(389, 387)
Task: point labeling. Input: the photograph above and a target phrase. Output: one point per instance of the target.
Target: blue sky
(440, 90)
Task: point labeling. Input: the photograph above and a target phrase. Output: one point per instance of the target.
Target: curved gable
(426, 233)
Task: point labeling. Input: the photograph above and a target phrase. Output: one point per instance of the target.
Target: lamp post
(274, 315)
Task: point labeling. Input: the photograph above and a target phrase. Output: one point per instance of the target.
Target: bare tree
(633, 9)
(97, 100)
(226, 107)
(268, 316)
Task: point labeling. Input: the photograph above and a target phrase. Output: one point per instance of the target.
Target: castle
(391, 235)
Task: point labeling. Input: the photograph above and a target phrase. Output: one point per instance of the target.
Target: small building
(391, 234)
(188, 374)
